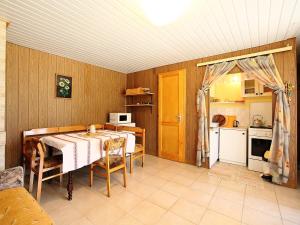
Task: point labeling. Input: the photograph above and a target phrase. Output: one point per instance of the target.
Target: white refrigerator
(233, 145)
(213, 145)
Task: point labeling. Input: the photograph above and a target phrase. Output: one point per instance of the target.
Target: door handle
(179, 117)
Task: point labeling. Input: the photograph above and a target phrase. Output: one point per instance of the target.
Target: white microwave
(118, 118)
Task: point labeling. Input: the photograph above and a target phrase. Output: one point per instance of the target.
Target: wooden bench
(39, 132)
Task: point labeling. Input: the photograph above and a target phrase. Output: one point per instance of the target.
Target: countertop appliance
(257, 121)
(233, 145)
(236, 123)
(119, 118)
(213, 145)
(229, 120)
(259, 142)
(219, 119)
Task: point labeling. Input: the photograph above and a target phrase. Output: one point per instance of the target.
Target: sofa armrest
(11, 178)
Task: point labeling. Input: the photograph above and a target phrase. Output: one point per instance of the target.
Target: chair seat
(52, 161)
(114, 160)
(138, 148)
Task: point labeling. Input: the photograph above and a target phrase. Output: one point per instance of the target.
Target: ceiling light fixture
(163, 12)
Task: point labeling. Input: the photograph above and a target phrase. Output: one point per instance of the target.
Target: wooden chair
(27, 135)
(41, 164)
(111, 162)
(139, 151)
(110, 127)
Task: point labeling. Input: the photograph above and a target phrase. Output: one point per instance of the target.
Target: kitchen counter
(235, 128)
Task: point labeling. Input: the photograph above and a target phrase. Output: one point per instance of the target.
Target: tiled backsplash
(262, 108)
(235, 109)
(243, 111)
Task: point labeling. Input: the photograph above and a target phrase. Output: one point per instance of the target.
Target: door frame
(182, 129)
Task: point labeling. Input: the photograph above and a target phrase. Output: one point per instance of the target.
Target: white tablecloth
(79, 151)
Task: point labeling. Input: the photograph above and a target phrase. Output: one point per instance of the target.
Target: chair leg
(108, 184)
(131, 163)
(143, 160)
(124, 176)
(61, 176)
(39, 187)
(91, 175)
(31, 179)
(24, 166)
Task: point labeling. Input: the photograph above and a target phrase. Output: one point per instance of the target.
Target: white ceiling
(116, 35)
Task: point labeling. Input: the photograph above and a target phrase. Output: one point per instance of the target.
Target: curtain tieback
(203, 91)
(279, 90)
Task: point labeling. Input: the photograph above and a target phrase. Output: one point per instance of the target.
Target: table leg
(70, 186)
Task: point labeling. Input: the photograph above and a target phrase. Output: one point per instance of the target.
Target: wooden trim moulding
(283, 49)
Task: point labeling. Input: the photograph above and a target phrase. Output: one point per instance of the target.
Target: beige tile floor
(170, 193)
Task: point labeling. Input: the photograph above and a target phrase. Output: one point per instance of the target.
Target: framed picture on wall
(63, 86)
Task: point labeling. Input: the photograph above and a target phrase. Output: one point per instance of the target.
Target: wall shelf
(139, 100)
(145, 94)
(139, 105)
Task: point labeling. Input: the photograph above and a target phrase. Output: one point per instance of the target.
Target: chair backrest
(34, 148)
(28, 134)
(72, 128)
(137, 131)
(110, 127)
(115, 144)
(39, 132)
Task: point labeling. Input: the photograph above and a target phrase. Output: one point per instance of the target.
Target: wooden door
(171, 115)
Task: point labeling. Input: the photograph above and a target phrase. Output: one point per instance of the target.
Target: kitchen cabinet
(265, 91)
(233, 145)
(252, 88)
(226, 89)
(213, 145)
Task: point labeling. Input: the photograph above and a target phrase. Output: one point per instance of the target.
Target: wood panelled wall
(285, 61)
(31, 94)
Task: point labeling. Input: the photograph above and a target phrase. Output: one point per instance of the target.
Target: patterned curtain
(265, 70)
(212, 74)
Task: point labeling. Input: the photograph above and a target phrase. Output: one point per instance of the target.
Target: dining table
(80, 149)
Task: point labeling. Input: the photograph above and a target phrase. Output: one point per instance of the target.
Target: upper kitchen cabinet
(253, 88)
(227, 89)
(265, 91)
(250, 87)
